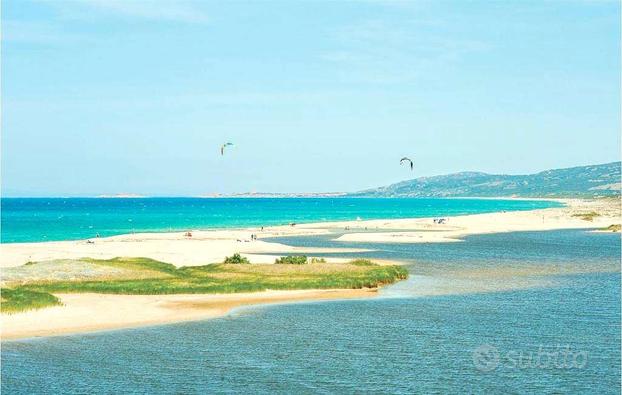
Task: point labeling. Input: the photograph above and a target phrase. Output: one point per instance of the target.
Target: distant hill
(581, 181)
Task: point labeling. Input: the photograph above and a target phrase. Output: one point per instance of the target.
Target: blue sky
(105, 96)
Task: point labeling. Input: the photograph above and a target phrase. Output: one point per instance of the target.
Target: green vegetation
(318, 260)
(362, 262)
(291, 260)
(20, 299)
(236, 259)
(583, 181)
(143, 265)
(613, 228)
(155, 278)
(587, 216)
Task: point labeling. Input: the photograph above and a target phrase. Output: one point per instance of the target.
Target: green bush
(236, 259)
(292, 260)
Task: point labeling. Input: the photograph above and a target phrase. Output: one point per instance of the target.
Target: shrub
(291, 260)
(318, 260)
(236, 259)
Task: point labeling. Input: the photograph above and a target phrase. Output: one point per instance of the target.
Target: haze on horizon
(107, 97)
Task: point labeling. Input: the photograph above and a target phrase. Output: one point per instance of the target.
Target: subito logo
(486, 358)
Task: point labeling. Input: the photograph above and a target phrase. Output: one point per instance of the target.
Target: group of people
(253, 238)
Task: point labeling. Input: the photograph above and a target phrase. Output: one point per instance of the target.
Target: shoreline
(211, 246)
(116, 312)
(92, 312)
(279, 225)
(571, 216)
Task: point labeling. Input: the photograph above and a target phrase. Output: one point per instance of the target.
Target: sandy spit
(83, 312)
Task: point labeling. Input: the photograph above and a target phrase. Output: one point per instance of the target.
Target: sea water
(47, 219)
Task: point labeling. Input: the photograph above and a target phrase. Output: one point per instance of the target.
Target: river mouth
(483, 263)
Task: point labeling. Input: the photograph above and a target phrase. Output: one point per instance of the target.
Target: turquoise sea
(46, 219)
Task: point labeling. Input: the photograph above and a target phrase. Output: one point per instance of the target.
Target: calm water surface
(481, 316)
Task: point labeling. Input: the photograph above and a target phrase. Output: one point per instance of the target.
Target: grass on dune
(20, 299)
(228, 278)
(362, 262)
(217, 278)
(136, 264)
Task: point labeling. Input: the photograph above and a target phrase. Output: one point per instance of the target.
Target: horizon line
(249, 194)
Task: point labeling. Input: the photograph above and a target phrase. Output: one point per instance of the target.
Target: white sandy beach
(88, 312)
(212, 246)
(455, 228)
(204, 247)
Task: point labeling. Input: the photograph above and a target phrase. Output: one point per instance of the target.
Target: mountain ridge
(602, 180)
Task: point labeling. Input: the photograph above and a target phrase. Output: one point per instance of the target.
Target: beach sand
(424, 230)
(205, 247)
(90, 312)
(95, 312)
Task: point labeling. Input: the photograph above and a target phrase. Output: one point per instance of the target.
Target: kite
(405, 159)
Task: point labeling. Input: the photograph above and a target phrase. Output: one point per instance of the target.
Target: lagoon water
(529, 312)
(46, 219)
